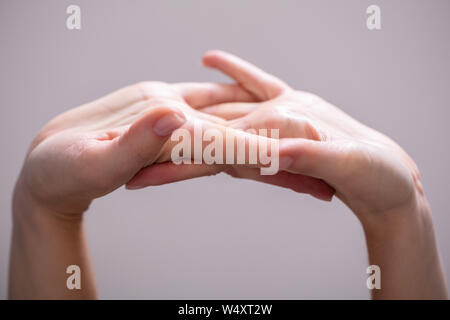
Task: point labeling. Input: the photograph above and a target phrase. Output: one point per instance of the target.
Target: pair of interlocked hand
(124, 139)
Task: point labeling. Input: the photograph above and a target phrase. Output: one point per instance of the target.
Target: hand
(370, 172)
(83, 154)
(86, 153)
(92, 150)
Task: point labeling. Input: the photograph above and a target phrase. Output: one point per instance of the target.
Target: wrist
(44, 243)
(402, 244)
(26, 208)
(415, 214)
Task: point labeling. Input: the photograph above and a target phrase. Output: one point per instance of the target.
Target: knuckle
(274, 91)
(294, 124)
(310, 131)
(276, 118)
(209, 90)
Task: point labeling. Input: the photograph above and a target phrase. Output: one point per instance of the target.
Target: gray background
(219, 237)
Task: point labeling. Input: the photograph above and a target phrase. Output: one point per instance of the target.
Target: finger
(230, 111)
(164, 173)
(203, 141)
(313, 158)
(194, 141)
(199, 95)
(141, 144)
(296, 182)
(263, 85)
(289, 125)
(168, 172)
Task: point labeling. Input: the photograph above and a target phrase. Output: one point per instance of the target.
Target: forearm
(43, 246)
(403, 245)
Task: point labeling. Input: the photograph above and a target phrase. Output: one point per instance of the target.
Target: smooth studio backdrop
(217, 237)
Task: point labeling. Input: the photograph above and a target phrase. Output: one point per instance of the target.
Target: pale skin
(94, 149)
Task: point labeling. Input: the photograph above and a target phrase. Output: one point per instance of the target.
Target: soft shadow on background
(218, 237)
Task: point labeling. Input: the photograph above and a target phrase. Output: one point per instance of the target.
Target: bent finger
(263, 85)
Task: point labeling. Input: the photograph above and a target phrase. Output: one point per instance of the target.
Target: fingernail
(133, 187)
(168, 123)
(327, 198)
(285, 162)
(322, 191)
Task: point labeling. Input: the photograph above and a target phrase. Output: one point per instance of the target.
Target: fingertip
(211, 57)
(139, 181)
(325, 195)
(133, 187)
(323, 198)
(213, 53)
(321, 190)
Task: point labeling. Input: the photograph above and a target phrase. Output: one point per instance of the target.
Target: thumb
(143, 141)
